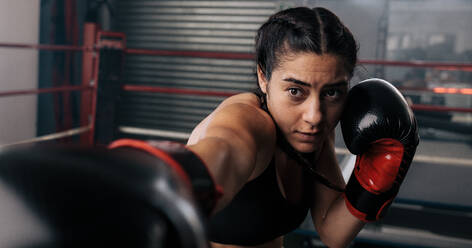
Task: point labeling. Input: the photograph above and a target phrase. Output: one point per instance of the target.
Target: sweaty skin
(305, 96)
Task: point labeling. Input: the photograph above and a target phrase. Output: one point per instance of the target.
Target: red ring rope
(231, 55)
(221, 55)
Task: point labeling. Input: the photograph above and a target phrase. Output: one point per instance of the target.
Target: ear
(261, 79)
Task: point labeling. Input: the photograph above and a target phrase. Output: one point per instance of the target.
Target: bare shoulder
(243, 98)
(240, 112)
(241, 122)
(244, 107)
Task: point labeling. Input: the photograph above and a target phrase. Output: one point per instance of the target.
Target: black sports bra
(257, 214)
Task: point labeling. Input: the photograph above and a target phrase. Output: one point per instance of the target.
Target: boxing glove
(379, 127)
(188, 166)
(64, 196)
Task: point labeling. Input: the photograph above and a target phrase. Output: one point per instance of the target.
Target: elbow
(333, 244)
(332, 240)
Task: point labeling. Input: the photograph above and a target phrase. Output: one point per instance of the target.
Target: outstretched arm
(236, 144)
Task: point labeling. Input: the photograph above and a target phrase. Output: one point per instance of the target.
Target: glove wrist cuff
(188, 165)
(365, 205)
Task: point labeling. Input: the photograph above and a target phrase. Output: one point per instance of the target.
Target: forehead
(311, 66)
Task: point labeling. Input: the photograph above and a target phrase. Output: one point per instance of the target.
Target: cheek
(334, 115)
(283, 113)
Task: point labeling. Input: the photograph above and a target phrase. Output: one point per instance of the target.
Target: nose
(313, 113)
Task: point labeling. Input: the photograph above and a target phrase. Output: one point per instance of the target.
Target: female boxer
(305, 59)
(272, 152)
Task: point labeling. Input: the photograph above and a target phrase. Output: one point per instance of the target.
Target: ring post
(89, 57)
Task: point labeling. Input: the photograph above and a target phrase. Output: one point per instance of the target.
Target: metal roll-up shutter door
(217, 26)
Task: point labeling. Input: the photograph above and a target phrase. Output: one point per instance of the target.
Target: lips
(307, 136)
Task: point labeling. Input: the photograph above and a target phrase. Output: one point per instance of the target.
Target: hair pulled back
(302, 29)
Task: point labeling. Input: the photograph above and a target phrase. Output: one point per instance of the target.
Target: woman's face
(305, 96)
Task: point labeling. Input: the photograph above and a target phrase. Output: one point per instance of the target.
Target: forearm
(338, 227)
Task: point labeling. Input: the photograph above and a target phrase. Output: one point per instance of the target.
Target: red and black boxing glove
(379, 127)
(188, 166)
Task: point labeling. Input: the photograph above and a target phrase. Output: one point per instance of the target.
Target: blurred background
(423, 47)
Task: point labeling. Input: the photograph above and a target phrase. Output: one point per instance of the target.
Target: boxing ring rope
(439, 90)
(93, 43)
(88, 87)
(341, 151)
(440, 108)
(46, 47)
(49, 137)
(48, 90)
(229, 55)
(197, 54)
(338, 150)
(59, 135)
(54, 136)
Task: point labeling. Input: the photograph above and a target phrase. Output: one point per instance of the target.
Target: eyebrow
(293, 80)
(340, 83)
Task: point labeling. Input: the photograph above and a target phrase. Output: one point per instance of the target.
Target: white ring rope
(59, 135)
(341, 151)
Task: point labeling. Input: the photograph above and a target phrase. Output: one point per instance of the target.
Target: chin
(305, 147)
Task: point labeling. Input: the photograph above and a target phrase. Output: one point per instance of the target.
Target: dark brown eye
(332, 92)
(294, 91)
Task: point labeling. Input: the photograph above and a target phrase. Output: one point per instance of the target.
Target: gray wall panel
(218, 26)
